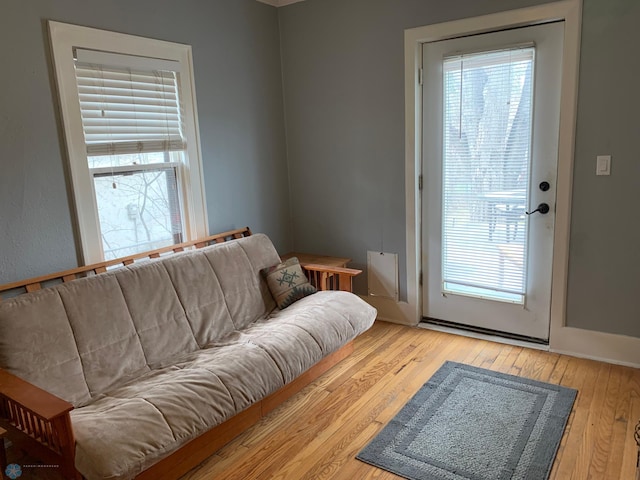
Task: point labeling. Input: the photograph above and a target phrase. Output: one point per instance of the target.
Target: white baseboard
(604, 347)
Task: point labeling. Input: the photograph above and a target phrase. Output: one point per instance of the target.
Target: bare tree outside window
(138, 209)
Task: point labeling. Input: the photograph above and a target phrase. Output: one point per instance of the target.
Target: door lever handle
(543, 208)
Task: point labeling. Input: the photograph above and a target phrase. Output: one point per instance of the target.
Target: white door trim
(584, 343)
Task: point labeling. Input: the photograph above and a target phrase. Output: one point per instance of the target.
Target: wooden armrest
(42, 403)
(337, 270)
(324, 277)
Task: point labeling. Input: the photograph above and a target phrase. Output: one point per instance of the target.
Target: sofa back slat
(34, 284)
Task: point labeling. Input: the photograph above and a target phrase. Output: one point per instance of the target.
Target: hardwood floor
(317, 433)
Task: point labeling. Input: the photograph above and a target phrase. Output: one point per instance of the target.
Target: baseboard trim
(483, 336)
(485, 331)
(592, 345)
(577, 342)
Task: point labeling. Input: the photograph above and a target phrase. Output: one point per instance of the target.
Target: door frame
(571, 12)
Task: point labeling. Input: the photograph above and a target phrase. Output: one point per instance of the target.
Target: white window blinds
(125, 109)
(486, 158)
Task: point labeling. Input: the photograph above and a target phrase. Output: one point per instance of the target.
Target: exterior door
(490, 111)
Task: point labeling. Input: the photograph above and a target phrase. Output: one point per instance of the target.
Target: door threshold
(483, 334)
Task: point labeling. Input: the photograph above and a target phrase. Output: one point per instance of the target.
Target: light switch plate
(603, 165)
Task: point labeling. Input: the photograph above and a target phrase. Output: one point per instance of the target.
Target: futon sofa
(147, 358)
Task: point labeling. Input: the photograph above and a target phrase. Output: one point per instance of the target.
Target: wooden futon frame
(39, 422)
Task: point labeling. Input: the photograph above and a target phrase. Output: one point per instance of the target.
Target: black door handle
(543, 208)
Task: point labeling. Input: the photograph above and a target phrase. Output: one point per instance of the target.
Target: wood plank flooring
(317, 433)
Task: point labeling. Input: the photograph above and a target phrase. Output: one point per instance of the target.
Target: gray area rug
(468, 423)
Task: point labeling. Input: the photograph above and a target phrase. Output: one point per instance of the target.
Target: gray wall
(342, 61)
(236, 53)
(604, 266)
(343, 69)
(344, 108)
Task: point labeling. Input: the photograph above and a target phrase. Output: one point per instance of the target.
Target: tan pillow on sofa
(287, 282)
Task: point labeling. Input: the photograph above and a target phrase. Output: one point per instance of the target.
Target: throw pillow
(287, 282)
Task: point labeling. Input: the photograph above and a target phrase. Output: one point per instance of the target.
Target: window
(128, 106)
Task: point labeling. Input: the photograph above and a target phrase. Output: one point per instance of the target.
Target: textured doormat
(470, 423)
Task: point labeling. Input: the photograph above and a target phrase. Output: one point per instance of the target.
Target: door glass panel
(486, 162)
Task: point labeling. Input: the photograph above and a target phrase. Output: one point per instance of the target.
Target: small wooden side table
(3, 454)
(309, 258)
(326, 273)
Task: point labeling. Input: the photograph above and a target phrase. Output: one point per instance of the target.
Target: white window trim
(66, 37)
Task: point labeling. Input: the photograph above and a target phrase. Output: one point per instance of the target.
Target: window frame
(64, 38)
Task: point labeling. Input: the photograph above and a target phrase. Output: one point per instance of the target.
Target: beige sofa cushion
(129, 433)
(220, 287)
(291, 348)
(330, 318)
(310, 329)
(158, 316)
(104, 331)
(201, 296)
(37, 344)
(240, 284)
(261, 254)
(128, 430)
(208, 386)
